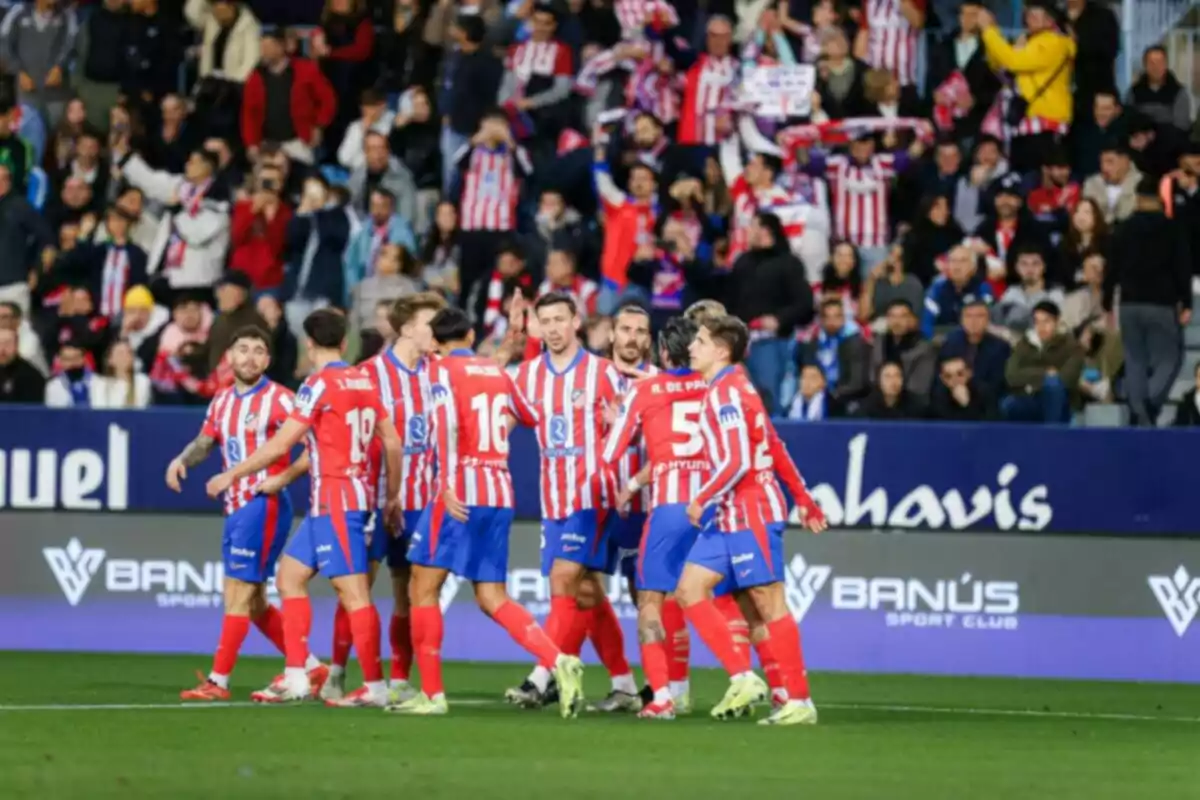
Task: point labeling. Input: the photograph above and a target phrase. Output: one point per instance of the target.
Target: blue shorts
(624, 538)
(665, 547)
(393, 548)
(743, 558)
(254, 537)
(333, 545)
(476, 549)
(581, 538)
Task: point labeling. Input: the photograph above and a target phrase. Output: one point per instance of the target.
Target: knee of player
(291, 581)
(565, 580)
(651, 631)
(490, 597)
(770, 602)
(689, 592)
(239, 597)
(424, 587)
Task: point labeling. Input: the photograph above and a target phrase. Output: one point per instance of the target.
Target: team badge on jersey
(578, 398)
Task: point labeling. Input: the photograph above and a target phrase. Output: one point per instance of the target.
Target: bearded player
(258, 514)
(745, 547)
(466, 529)
(338, 409)
(402, 374)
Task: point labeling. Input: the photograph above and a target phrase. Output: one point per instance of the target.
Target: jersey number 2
(685, 419)
(492, 422)
(362, 430)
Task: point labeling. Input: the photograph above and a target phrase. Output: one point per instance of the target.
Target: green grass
(866, 746)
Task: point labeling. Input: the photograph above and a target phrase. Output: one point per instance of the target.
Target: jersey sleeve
(285, 404)
(728, 436)
(524, 409)
(629, 421)
(309, 399)
(445, 426)
(210, 428)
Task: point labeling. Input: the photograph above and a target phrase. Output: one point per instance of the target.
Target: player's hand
(813, 518)
(694, 513)
(218, 484)
(272, 485)
(624, 498)
(632, 372)
(393, 517)
(611, 412)
(176, 472)
(454, 506)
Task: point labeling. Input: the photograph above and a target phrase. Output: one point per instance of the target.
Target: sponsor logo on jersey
(558, 430)
(418, 431)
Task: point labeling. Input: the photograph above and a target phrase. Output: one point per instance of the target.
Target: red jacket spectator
(258, 240)
(313, 102)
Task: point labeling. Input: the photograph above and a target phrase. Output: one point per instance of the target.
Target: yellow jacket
(1033, 65)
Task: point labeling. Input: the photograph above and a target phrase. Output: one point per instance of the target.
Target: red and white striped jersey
(240, 424)
(404, 395)
(635, 15)
(474, 401)
(340, 405)
(707, 93)
(491, 186)
(535, 65)
(891, 40)
(666, 410)
(738, 440)
(584, 291)
(631, 461)
(568, 409)
(860, 198)
(747, 202)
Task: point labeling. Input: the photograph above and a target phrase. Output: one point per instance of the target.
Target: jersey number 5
(685, 420)
(362, 430)
(492, 423)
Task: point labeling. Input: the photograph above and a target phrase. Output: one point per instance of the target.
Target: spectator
(141, 322)
(670, 274)
(65, 138)
(29, 346)
(471, 82)
(317, 238)
(102, 65)
(383, 226)
(1102, 361)
(888, 281)
(841, 279)
(381, 169)
(230, 174)
(985, 353)
(973, 193)
(155, 53)
(1043, 372)
(958, 397)
(1152, 148)
(1097, 37)
(963, 54)
(1043, 68)
(77, 322)
(193, 235)
(122, 386)
(24, 235)
(414, 139)
(839, 350)
(74, 205)
(902, 343)
(235, 310)
(1181, 191)
(181, 350)
(231, 34)
(1114, 189)
(88, 166)
(1015, 307)
(1187, 413)
(1087, 233)
(259, 233)
(381, 323)
(889, 399)
(175, 138)
(941, 176)
(16, 154)
(287, 100)
(1158, 94)
(1007, 230)
(1106, 124)
(20, 381)
(1151, 260)
(39, 45)
(813, 402)
(840, 78)
(538, 77)
(344, 44)
(1051, 202)
(486, 301)
(1085, 305)
(375, 118)
(285, 352)
(391, 278)
(629, 220)
(950, 293)
(76, 385)
(441, 254)
(108, 268)
(562, 276)
(931, 237)
(558, 227)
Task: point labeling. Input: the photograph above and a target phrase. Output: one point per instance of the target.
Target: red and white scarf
(190, 197)
(114, 280)
(493, 312)
(948, 99)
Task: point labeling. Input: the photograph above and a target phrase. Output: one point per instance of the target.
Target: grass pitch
(98, 726)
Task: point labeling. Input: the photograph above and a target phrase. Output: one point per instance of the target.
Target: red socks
(343, 638)
(427, 631)
(400, 636)
(710, 623)
(561, 620)
(297, 621)
(738, 627)
(770, 665)
(577, 633)
(656, 665)
(608, 639)
(525, 631)
(364, 628)
(233, 633)
(679, 645)
(270, 625)
(785, 644)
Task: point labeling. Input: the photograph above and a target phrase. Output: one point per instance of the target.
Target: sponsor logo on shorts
(742, 558)
(1179, 596)
(324, 548)
(574, 537)
(243, 552)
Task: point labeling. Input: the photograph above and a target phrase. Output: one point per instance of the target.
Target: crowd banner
(779, 91)
(1011, 605)
(886, 476)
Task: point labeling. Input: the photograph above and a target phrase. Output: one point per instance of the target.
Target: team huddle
(668, 475)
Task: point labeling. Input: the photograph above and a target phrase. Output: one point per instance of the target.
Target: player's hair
(370, 344)
(406, 308)
(731, 332)
(251, 332)
(632, 308)
(674, 340)
(450, 325)
(326, 327)
(702, 310)
(556, 299)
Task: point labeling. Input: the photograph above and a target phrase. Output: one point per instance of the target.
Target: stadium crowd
(917, 217)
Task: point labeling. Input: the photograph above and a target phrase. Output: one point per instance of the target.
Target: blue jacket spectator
(985, 353)
(313, 274)
(383, 226)
(950, 293)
